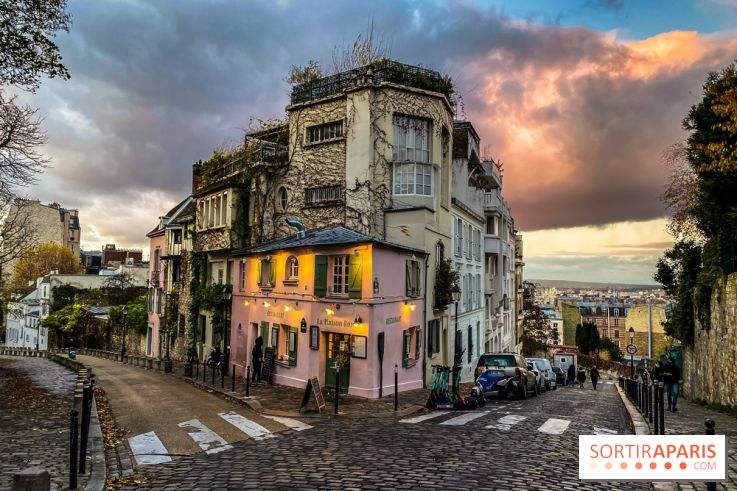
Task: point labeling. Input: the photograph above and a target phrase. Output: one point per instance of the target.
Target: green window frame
(292, 345)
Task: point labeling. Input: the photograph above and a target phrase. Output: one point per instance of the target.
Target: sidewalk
(280, 400)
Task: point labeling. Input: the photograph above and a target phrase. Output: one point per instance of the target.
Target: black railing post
(73, 449)
(248, 381)
(232, 382)
(197, 365)
(656, 410)
(709, 430)
(213, 374)
(661, 404)
(84, 430)
(223, 369)
(337, 387)
(396, 387)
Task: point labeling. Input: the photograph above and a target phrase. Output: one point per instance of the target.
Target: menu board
(268, 368)
(313, 387)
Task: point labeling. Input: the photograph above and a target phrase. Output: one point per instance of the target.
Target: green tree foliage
(68, 320)
(133, 315)
(606, 345)
(678, 272)
(535, 325)
(587, 337)
(120, 290)
(445, 278)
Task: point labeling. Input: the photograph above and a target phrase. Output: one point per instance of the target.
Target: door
(338, 348)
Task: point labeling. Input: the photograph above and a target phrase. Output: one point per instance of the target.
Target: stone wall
(709, 366)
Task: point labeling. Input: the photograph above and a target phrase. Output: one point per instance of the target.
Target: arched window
(283, 198)
(292, 269)
(439, 252)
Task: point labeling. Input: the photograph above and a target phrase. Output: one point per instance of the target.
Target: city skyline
(578, 102)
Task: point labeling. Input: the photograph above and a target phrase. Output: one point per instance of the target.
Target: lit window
(292, 269)
(339, 275)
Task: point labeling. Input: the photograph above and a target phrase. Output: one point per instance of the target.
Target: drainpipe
(649, 328)
(298, 225)
(424, 323)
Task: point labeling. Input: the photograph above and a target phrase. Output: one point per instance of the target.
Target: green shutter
(292, 346)
(258, 273)
(272, 272)
(417, 343)
(321, 276)
(408, 279)
(264, 336)
(354, 276)
(405, 348)
(417, 279)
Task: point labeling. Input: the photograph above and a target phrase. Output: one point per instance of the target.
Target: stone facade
(709, 364)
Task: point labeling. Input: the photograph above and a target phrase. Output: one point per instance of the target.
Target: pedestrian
(671, 376)
(581, 376)
(594, 376)
(571, 375)
(257, 358)
(657, 371)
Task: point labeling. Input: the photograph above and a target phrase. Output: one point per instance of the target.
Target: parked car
(505, 375)
(548, 375)
(539, 377)
(560, 376)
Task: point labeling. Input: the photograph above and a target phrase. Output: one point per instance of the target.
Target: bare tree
(680, 192)
(16, 232)
(368, 47)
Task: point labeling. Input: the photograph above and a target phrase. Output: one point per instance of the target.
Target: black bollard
(223, 368)
(396, 387)
(661, 404)
(213, 375)
(197, 364)
(656, 411)
(73, 449)
(204, 372)
(248, 381)
(337, 387)
(709, 430)
(232, 384)
(84, 430)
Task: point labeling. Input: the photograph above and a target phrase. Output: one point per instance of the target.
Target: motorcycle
(215, 357)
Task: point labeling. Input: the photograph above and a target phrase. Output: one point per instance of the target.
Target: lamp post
(455, 293)
(125, 315)
(632, 355)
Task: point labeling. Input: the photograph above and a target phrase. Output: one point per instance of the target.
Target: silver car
(548, 374)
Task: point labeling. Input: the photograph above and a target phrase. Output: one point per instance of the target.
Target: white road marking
(554, 426)
(603, 431)
(208, 440)
(464, 418)
(250, 428)
(289, 422)
(424, 417)
(505, 423)
(148, 449)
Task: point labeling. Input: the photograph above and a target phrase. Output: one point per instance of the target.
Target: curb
(98, 473)
(638, 422)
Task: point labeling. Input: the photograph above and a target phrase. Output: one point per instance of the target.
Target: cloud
(579, 118)
(605, 269)
(613, 5)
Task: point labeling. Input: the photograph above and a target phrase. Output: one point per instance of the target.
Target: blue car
(505, 375)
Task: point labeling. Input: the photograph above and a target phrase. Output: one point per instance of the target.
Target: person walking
(570, 380)
(257, 358)
(671, 376)
(594, 376)
(581, 375)
(657, 371)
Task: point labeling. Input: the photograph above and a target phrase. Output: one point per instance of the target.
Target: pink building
(156, 276)
(332, 295)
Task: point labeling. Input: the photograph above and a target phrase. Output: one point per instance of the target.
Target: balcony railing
(324, 196)
(376, 73)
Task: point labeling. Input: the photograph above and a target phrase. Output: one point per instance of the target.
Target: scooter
(72, 353)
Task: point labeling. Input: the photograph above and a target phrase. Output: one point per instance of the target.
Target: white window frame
(242, 283)
(411, 139)
(338, 275)
(291, 270)
(406, 176)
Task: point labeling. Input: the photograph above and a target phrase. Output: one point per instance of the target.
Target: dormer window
(291, 269)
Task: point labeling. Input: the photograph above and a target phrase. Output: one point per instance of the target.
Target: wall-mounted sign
(334, 322)
(393, 320)
(314, 337)
(359, 346)
(275, 313)
(303, 325)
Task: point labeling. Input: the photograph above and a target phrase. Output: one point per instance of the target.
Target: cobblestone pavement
(531, 444)
(36, 396)
(689, 419)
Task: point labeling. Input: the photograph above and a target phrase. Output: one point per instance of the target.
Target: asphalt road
(521, 445)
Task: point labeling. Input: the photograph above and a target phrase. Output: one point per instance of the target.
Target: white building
(467, 250)
(22, 329)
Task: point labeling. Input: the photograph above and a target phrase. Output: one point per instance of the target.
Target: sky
(577, 98)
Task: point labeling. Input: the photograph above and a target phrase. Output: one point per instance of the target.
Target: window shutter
(272, 272)
(408, 278)
(417, 278)
(354, 276)
(258, 273)
(292, 346)
(321, 276)
(405, 348)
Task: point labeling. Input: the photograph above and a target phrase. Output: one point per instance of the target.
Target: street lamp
(596, 352)
(455, 293)
(125, 315)
(632, 355)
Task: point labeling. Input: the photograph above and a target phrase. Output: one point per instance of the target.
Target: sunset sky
(577, 99)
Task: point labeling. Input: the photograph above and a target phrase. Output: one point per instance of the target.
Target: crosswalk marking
(208, 440)
(464, 418)
(554, 426)
(289, 422)
(603, 431)
(505, 423)
(250, 428)
(424, 417)
(148, 450)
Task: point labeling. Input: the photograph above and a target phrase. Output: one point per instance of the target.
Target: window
(216, 211)
(266, 272)
(470, 344)
(616, 342)
(224, 210)
(433, 337)
(323, 195)
(217, 273)
(410, 346)
(274, 338)
(459, 237)
(492, 225)
(325, 132)
(177, 236)
(411, 139)
(616, 322)
(339, 275)
(283, 198)
(439, 253)
(242, 275)
(292, 269)
(176, 271)
(412, 278)
(616, 312)
(413, 179)
(616, 333)
(604, 332)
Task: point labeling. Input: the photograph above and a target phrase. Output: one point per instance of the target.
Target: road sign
(631, 349)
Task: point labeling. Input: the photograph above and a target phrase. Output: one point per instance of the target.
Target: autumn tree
(40, 261)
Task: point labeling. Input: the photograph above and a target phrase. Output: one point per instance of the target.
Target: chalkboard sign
(313, 387)
(268, 369)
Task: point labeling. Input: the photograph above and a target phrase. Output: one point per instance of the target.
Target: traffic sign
(631, 349)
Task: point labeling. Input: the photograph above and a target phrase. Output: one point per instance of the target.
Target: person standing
(671, 377)
(594, 376)
(257, 358)
(657, 372)
(581, 375)
(570, 381)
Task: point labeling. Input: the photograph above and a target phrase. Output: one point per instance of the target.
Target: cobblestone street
(35, 400)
